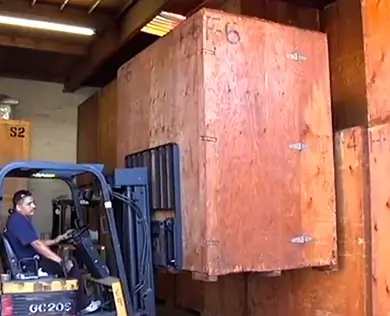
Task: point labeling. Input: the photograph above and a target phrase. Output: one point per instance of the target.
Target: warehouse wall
(54, 129)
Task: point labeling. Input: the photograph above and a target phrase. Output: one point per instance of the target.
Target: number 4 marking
(352, 141)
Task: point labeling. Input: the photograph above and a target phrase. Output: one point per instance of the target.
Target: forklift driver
(25, 242)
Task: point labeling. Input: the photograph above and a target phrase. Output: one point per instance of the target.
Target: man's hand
(64, 236)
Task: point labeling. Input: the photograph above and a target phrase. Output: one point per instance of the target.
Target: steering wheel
(76, 233)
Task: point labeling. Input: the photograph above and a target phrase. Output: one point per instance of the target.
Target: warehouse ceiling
(92, 58)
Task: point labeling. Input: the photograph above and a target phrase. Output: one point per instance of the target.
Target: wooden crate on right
(248, 103)
(379, 162)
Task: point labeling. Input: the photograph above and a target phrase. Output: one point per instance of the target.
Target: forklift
(143, 219)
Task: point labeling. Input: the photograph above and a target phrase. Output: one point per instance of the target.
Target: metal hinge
(296, 56)
(302, 239)
(298, 146)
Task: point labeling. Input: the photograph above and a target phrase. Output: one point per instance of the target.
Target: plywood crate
(15, 140)
(379, 162)
(240, 96)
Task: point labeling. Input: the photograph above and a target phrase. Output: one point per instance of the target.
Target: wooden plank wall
(15, 140)
(96, 133)
(342, 23)
(379, 143)
(107, 125)
(358, 41)
(375, 16)
(96, 142)
(87, 130)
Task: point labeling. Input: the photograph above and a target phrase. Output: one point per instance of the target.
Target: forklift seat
(9, 259)
(12, 264)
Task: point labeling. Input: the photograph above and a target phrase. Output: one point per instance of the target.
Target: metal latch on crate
(298, 146)
(303, 239)
(296, 56)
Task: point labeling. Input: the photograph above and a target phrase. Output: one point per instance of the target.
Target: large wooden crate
(255, 138)
(15, 140)
(379, 162)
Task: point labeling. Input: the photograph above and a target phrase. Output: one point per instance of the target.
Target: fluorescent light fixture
(6, 100)
(43, 25)
(163, 23)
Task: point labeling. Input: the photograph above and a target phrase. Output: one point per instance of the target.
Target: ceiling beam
(141, 13)
(43, 45)
(52, 13)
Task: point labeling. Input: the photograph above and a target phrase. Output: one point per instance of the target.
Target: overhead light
(43, 25)
(163, 23)
(6, 100)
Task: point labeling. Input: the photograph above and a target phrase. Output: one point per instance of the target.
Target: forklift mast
(162, 171)
(146, 197)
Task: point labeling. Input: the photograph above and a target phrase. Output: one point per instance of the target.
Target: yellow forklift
(36, 293)
(145, 231)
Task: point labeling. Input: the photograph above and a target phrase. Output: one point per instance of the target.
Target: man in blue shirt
(24, 240)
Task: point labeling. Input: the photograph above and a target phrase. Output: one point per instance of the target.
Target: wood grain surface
(235, 108)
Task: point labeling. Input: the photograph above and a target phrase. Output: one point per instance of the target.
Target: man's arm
(44, 250)
(50, 242)
(58, 239)
(27, 235)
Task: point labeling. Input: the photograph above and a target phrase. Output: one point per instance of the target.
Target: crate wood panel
(97, 144)
(107, 121)
(379, 147)
(106, 150)
(309, 292)
(87, 130)
(375, 21)
(165, 284)
(358, 45)
(15, 139)
(342, 23)
(346, 291)
(87, 144)
(246, 194)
